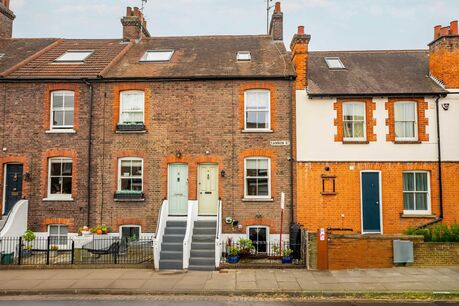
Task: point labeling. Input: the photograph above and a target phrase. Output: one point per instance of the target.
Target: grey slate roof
(371, 73)
(207, 57)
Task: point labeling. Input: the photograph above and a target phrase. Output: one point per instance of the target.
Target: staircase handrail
(13, 227)
(160, 228)
(218, 233)
(191, 217)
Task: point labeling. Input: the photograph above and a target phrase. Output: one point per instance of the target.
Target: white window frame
(268, 127)
(244, 56)
(122, 93)
(329, 61)
(268, 245)
(61, 59)
(364, 138)
(59, 197)
(59, 235)
(62, 128)
(163, 60)
(130, 225)
(120, 176)
(427, 211)
(415, 121)
(246, 196)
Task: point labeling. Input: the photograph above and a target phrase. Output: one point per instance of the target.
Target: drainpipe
(91, 99)
(291, 152)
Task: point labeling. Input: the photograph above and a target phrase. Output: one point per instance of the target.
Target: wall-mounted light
(223, 173)
(207, 152)
(445, 106)
(178, 154)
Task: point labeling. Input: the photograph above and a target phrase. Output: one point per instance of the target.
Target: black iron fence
(67, 251)
(246, 251)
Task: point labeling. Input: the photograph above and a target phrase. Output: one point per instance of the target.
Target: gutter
(382, 94)
(91, 100)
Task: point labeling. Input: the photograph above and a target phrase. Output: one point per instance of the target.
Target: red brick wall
(444, 60)
(316, 210)
(6, 26)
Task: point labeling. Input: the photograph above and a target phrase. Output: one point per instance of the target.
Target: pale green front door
(207, 189)
(178, 189)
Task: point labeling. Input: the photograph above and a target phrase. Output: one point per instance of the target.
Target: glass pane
(410, 111)
(348, 110)
(262, 120)
(251, 172)
(125, 184)
(421, 201)
(399, 112)
(58, 100)
(53, 230)
(55, 185)
(263, 163)
(263, 187)
(64, 230)
(399, 129)
(408, 181)
(421, 182)
(58, 118)
(359, 110)
(126, 168)
(132, 101)
(68, 118)
(132, 117)
(409, 129)
(69, 101)
(251, 163)
(67, 168)
(251, 101)
(358, 130)
(136, 184)
(263, 100)
(348, 130)
(408, 201)
(67, 185)
(137, 167)
(55, 168)
(252, 186)
(251, 120)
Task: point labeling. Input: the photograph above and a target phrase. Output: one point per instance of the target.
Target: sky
(333, 24)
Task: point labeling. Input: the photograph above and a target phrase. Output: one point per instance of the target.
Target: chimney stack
(6, 19)
(134, 24)
(276, 28)
(444, 55)
(299, 47)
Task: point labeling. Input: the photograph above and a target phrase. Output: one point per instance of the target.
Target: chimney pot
(277, 7)
(453, 28)
(301, 30)
(444, 31)
(437, 30)
(6, 3)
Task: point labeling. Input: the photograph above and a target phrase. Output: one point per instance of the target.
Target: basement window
(334, 63)
(243, 56)
(157, 56)
(74, 56)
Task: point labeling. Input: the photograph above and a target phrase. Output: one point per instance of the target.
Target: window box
(129, 196)
(134, 127)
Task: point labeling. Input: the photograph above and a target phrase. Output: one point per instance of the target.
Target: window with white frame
(132, 106)
(257, 110)
(130, 232)
(60, 178)
(58, 234)
(259, 237)
(62, 109)
(157, 56)
(130, 174)
(416, 192)
(74, 56)
(405, 121)
(257, 177)
(354, 121)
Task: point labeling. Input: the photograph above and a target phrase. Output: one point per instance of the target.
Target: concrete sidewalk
(144, 281)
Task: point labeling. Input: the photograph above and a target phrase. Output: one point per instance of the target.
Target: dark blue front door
(371, 213)
(13, 186)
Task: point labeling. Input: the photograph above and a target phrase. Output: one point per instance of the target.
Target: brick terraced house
(377, 136)
(149, 135)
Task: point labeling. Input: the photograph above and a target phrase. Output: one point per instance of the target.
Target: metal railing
(63, 251)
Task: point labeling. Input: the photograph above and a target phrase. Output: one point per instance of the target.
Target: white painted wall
(316, 132)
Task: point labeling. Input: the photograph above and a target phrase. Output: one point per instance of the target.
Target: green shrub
(245, 246)
(437, 233)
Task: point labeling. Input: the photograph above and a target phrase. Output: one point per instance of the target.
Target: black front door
(13, 186)
(371, 212)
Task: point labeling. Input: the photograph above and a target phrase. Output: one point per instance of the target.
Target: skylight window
(334, 63)
(243, 56)
(157, 56)
(74, 56)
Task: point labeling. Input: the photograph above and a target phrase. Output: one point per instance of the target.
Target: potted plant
(53, 250)
(287, 255)
(275, 252)
(233, 255)
(28, 237)
(245, 247)
(84, 231)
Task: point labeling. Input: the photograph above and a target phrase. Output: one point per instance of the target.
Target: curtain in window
(257, 177)
(405, 119)
(62, 109)
(257, 109)
(354, 120)
(132, 107)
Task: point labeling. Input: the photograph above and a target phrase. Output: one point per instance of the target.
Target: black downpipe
(291, 152)
(91, 99)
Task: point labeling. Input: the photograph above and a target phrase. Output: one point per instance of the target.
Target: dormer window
(74, 56)
(157, 56)
(334, 63)
(243, 56)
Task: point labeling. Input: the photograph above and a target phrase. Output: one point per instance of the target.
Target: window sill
(257, 131)
(257, 200)
(130, 128)
(418, 215)
(129, 197)
(328, 193)
(131, 132)
(129, 200)
(407, 142)
(61, 131)
(58, 199)
(356, 142)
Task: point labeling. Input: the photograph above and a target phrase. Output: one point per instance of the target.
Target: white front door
(178, 189)
(208, 189)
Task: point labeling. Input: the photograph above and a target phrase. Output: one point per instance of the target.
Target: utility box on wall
(403, 251)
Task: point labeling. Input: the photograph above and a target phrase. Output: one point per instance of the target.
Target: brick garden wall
(436, 254)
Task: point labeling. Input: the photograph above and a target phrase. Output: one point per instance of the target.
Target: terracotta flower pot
(99, 232)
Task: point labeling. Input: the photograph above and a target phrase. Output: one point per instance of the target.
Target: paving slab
(243, 285)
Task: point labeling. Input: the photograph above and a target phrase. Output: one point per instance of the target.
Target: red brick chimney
(134, 24)
(444, 55)
(276, 28)
(299, 47)
(6, 19)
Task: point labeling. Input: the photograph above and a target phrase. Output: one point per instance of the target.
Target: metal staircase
(202, 256)
(171, 256)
